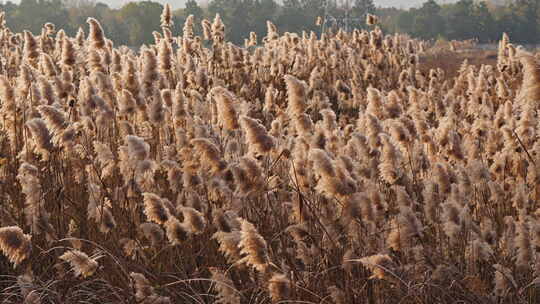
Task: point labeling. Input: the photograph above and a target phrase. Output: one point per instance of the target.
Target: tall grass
(300, 169)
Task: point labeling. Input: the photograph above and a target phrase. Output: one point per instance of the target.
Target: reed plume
(381, 265)
(254, 247)
(296, 90)
(14, 244)
(371, 19)
(81, 263)
(138, 149)
(177, 232)
(229, 244)
(96, 36)
(31, 51)
(257, 138)
(166, 16)
(144, 292)
(530, 90)
(279, 287)
(153, 232)
(226, 108)
(210, 154)
(154, 208)
(41, 136)
(194, 221)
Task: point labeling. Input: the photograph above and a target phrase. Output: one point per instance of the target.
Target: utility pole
(346, 20)
(347, 11)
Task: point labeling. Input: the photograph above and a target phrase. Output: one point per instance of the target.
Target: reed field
(297, 168)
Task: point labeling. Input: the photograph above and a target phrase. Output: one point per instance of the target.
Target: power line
(346, 20)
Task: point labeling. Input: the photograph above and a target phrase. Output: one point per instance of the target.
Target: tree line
(468, 19)
(134, 23)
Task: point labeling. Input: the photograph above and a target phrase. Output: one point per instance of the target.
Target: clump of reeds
(295, 168)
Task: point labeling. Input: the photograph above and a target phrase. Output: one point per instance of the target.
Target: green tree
(528, 12)
(218, 7)
(508, 22)
(236, 15)
(32, 14)
(142, 18)
(428, 23)
(486, 28)
(239, 22)
(405, 21)
(9, 8)
(263, 10)
(193, 8)
(363, 7)
(291, 17)
(359, 11)
(461, 24)
(311, 9)
(113, 25)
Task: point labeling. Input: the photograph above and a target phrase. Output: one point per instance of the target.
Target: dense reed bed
(295, 169)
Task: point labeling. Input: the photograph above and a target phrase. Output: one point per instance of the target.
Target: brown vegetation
(451, 61)
(307, 170)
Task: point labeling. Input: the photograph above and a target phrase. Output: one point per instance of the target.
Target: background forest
(134, 23)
